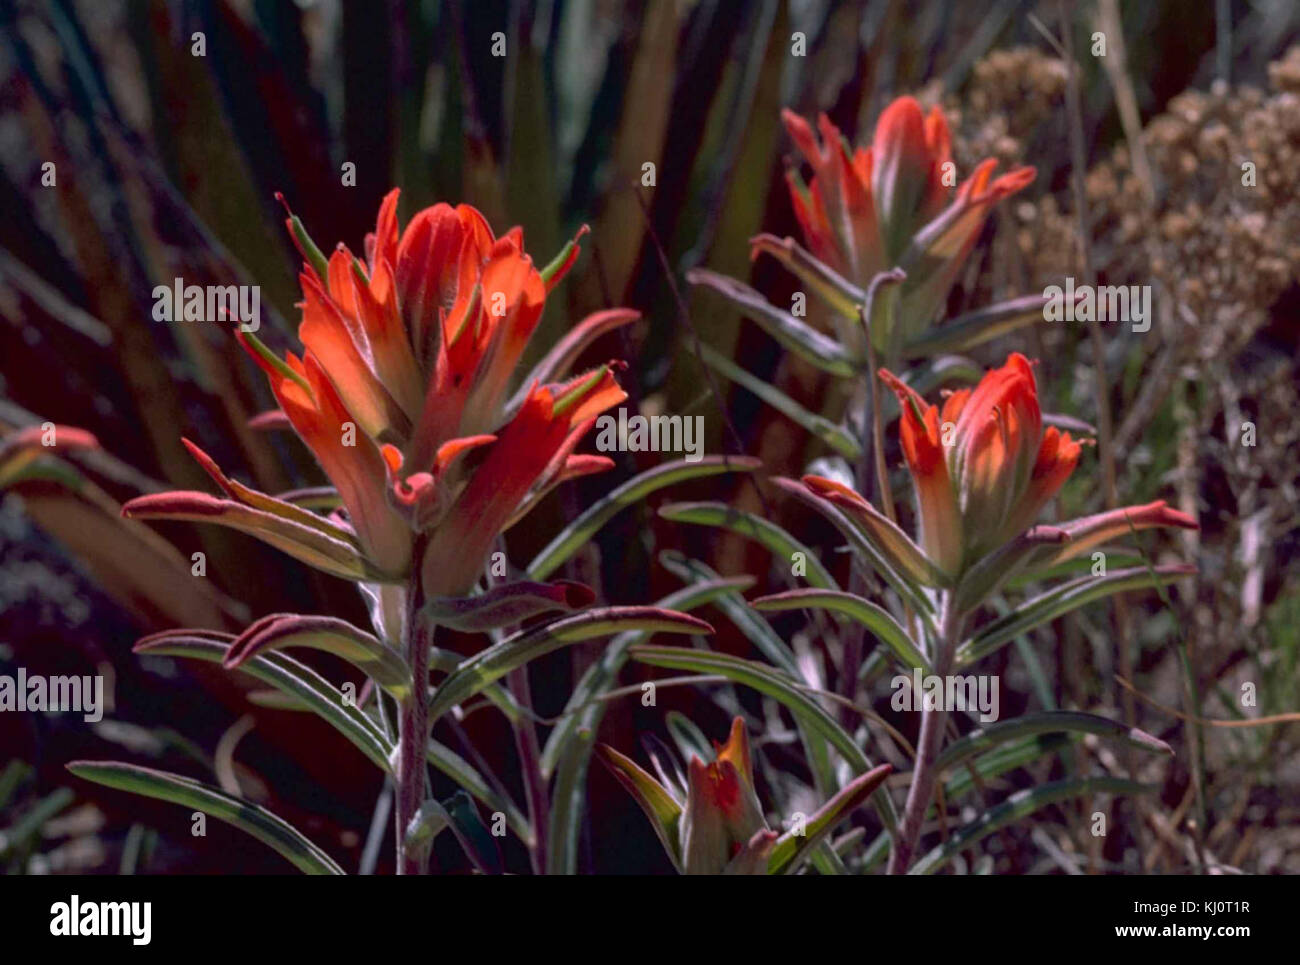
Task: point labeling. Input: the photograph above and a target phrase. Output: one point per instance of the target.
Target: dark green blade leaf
(1060, 600)
(1019, 805)
(286, 675)
(780, 687)
(1060, 721)
(790, 849)
(781, 544)
(499, 659)
(874, 618)
(635, 489)
(250, 818)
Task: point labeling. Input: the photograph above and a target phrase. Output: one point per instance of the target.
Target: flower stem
(413, 730)
(927, 750)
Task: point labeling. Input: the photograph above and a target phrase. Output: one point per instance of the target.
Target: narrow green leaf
(250, 818)
(367, 653)
(581, 530)
(835, 436)
(780, 543)
(967, 331)
(799, 337)
(664, 812)
(1019, 805)
(464, 774)
(499, 659)
(583, 710)
(1061, 600)
(985, 738)
(779, 686)
(841, 294)
(871, 616)
(791, 849)
(286, 675)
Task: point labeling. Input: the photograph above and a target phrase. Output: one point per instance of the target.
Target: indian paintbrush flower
(402, 392)
(711, 821)
(893, 204)
(983, 466)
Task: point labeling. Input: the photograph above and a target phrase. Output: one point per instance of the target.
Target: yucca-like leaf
(250, 818)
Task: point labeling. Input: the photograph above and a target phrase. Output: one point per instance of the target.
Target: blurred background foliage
(166, 164)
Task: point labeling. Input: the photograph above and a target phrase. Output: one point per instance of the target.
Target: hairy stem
(413, 731)
(928, 745)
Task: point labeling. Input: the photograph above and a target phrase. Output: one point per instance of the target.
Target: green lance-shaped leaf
(777, 540)
(29, 825)
(252, 819)
(769, 644)
(507, 604)
(286, 675)
(799, 337)
(499, 659)
(838, 292)
(334, 551)
(987, 737)
(871, 616)
(1002, 759)
(975, 328)
(664, 812)
(835, 436)
(754, 627)
(458, 814)
(568, 797)
(367, 653)
(782, 688)
(584, 709)
(1061, 600)
(465, 776)
(1019, 805)
(567, 753)
(580, 531)
(865, 548)
(987, 576)
(791, 849)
